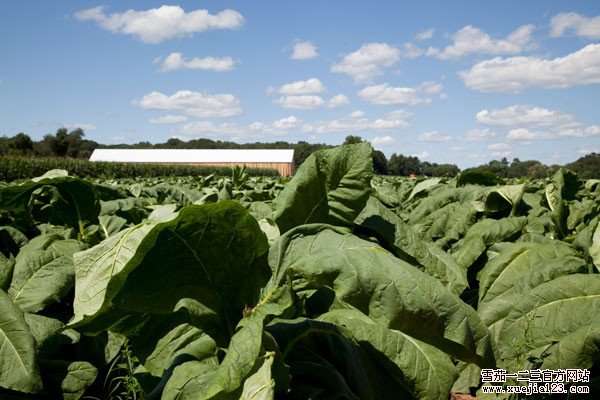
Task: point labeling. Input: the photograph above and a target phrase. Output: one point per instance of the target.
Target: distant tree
(587, 167)
(22, 143)
(174, 143)
(404, 165)
(350, 139)
(380, 163)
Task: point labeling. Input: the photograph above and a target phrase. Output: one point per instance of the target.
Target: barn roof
(188, 156)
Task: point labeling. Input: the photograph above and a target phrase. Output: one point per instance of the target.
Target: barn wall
(285, 169)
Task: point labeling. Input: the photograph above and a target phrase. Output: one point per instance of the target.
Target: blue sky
(464, 83)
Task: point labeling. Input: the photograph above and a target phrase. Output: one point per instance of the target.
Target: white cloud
(357, 114)
(304, 51)
(169, 119)
(175, 61)
(337, 101)
(85, 127)
(286, 123)
(159, 24)
(195, 104)
(517, 73)
(499, 146)
(386, 94)
(472, 40)
(579, 131)
(430, 87)
(588, 27)
(500, 149)
(422, 155)
(394, 120)
(434, 136)
(309, 86)
(411, 51)
(587, 150)
(368, 61)
(522, 134)
(475, 135)
(378, 141)
(523, 115)
(255, 130)
(425, 35)
(522, 118)
(209, 127)
(303, 102)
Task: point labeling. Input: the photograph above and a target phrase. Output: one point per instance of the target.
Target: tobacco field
(335, 284)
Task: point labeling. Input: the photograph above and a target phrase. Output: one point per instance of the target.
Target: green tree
(351, 139)
(380, 163)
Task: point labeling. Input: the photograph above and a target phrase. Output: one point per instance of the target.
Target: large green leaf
(203, 380)
(331, 186)
(546, 315)
(516, 270)
(398, 236)
(44, 272)
(579, 349)
(425, 371)
(206, 253)
(320, 258)
(183, 339)
(18, 365)
(60, 200)
(485, 233)
(504, 199)
(69, 379)
(260, 385)
(562, 188)
(7, 265)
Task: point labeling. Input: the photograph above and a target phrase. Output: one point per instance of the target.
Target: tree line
(73, 144)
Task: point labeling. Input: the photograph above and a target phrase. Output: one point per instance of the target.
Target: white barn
(280, 160)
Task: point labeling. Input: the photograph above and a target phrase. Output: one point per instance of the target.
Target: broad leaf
(331, 186)
(18, 366)
(43, 272)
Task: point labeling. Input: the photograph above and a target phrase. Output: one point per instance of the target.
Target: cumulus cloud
(430, 87)
(535, 123)
(434, 136)
(286, 123)
(499, 146)
(85, 127)
(579, 131)
(195, 104)
(472, 40)
(475, 135)
(368, 61)
(514, 74)
(523, 115)
(235, 131)
(379, 141)
(385, 94)
(425, 35)
(409, 50)
(523, 134)
(394, 120)
(500, 149)
(175, 61)
(303, 102)
(169, 119)
(309, 86)
(338, 101)
(580, 25)
(422, 155)
(157, 25)
(304, 50)
(357, 114)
